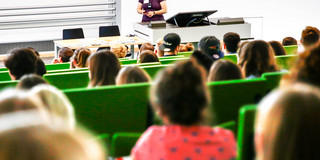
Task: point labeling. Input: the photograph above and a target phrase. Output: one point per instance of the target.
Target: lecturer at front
(152, 10)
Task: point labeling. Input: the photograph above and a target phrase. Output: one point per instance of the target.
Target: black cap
(211, 46)
(170, 42)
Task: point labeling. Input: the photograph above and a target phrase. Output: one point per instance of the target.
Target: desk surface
(99, 42)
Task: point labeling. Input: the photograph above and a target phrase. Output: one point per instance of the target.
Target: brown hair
(65, 53)
(30, 80)
(310, 36)
(306, 69)
(148, 56)
(119, 50)
(132, 74)
(186, 47)
(289, 41)
(146, 46)
(287, 124)
(104, 67)
(158, 51)
(180, 92)
(42, 142)
(81, 56)
(277, 48)
(257, 58)
(224, 70)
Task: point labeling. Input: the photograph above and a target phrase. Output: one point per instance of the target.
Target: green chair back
(105, 139)
(171, 57)
(142, 64)
(231, 125)
(130, 61)
(68, 80)
(185, 54)
(67, 70)
(231, 57)
(273, 79)
(227, 97)
(286, 62)
(57, 66)
(172, 60)
(122, 144)
(3, 69)
(5, 84)
(153, 70)
(291, 50)
(4, 76)
(111, 109)
(245, 143)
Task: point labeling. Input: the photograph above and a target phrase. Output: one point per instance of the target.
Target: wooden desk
(98, 42)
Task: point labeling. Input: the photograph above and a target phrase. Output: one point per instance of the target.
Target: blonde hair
(80, 57)
(119, 50)
(55, 102)
(287, 124)
(132, 74)
(42, 142)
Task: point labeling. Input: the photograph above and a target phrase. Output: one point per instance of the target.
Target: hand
(143, 12)
(150, 14)
(55, 60)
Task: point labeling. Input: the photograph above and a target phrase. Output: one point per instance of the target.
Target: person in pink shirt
(180, 97)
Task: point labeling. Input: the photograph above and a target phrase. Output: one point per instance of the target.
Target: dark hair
(21, 62)
(202, 59)
(209, 45)
(81, 56)
(132, 74)
(277, 48)
(310, 36)
(257, 58)
(180, 92)
(146, 46)
(40, 67)
(222, 70)
(307, 68)
(65, 53)
(231, 40)
(30, 80)
(104, 67)
(148, 56)
(242, 48)
(288, 41)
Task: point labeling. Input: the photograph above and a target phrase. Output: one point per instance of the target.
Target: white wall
(281, 18)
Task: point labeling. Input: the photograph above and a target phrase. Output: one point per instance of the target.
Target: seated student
(288, 41)
(30, 80)
(222, 70)
(231, 42)
(148, 57)
(157, 50)
(104, 67)
(40, 142)
(309, 37)
(287, 124)
(256, 59)
(146, 46)
(79, 58)
(65, 53)
(203, 59)
(132, 74)
(306, 69)
(170, 45)
(277, 48)
(119, 50)
(186, 47)
(180, 97)
(55, 103)
(40, 65)
(20, 62)
(210, 45)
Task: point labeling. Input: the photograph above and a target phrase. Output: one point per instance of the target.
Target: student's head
(20, 62)
(132, 74)
(65, 54)
(80, 57)
(186, 47)
(42, 142)
(307, 69)
(257, 58)
(277, 48)
(119, 50)
(40, 67)
(171, 44)
(55, 102)
(288, 41)
(231, 42)
(203, 59)
(148, 56)
(288, 124)
(310, 36)
(146, 46)
(104, 67)
(222, 70)
(179, 94)
(157, 50)
(210, 45)
(30, 80)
